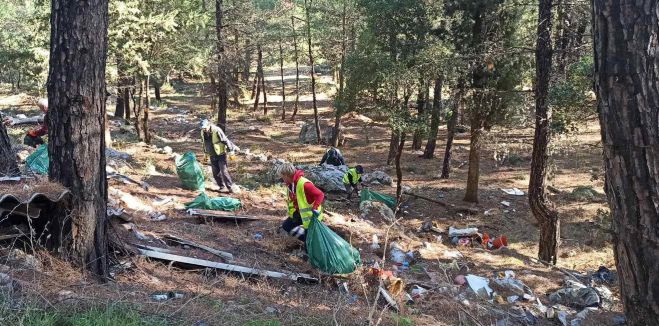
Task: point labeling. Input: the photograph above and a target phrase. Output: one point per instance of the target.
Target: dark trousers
(221, 171)
(293, 226)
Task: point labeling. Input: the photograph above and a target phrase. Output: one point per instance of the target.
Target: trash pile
(470, 236)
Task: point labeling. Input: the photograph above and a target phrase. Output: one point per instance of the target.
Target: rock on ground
(376, 210)
(378, 177)
(308, 133)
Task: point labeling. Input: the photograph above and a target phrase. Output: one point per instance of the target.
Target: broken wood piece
(220, 215)
(467, 210)
(4, 179)
(298, 277)
(27, 121)
(222, 254)
(129, 180)
(9, 236)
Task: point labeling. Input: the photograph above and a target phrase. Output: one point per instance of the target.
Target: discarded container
(513, 191)
(162, 296)
(38, 161)
(418, 292)
(329, 252)
(190, 172)
(505, 203)
(497, 243)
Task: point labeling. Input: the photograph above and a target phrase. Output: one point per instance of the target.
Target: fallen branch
(221, 215)
(463, 209)
(222, 254)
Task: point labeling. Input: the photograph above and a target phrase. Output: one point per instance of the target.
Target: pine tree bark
(125, 93)
(435, 118)
(120, 105)
(471, 194)
(420, 107)
(394, 141)
(338, 111)
(626, 72)
(450, 127)
(297, 71)
(138, 112)
(259, 76)
(8, 164)
(76, 120)
(156, 90)
(540, 206)
(307, 7)
(283, 85)
(222, 76)
(399, 171)
(147, 107)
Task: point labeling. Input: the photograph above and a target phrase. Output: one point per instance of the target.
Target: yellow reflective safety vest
(355, 176)
(305, 208)
(218, 146)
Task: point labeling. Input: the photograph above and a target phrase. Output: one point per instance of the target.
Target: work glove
(315, 213)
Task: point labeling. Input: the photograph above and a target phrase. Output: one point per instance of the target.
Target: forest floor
(215, 298)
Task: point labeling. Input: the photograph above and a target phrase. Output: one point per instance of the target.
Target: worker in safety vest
(216, 146)
(333, 157)
(305, 201)
(352, 180)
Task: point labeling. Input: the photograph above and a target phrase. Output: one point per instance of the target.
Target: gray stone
(374, 209)
(308, 133)
(377, 177)
(23, 260)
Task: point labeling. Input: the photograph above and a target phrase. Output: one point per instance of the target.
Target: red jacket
(313, 194)
(40, 131)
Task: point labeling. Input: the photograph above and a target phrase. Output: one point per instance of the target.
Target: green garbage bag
(367, 195)
(190, 172)
(219, 203)
(38, 160)
(328, 252)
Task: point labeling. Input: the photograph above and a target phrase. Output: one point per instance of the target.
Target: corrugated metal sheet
(31, 207)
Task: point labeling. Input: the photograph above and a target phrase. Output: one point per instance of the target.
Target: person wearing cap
(33, 136)
(352, 180)
(304, 200)
(216, 146)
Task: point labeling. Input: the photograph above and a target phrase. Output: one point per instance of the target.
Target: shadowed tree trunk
(119, 109)
(420, 107)
(626, 65)
(263, 89)
(297, 71)
(156, 91)
(125, 93)
(399, 171)
(222, 76)
(147, 107)
(339, 113)
(247, 62)
(8, 165)
(450, 127)
(138, 113)
(283, 85)
(394, 141)
(434, 120)
(471, 194)
(307, 9)
(76, 120)
(259, 76)
(540, 207)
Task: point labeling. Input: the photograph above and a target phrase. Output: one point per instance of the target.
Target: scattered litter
(461, 241)
(489, 212)
(375, 242)
(512, 298)
(505, 203)
(163, 296)
(397, 255)
(460, 280)
(388, 298)
(454, 232)
(576, 295)
(258, 236)
(452, 254)
(155, 216)
(497, 243)
(479, 285)
(603, 275)
(513, 191)
(418, 292)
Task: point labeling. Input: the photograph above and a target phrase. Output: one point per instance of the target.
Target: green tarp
(190, 172)
(38, 160)
(329, 252)
(219, 203)
(368, 195)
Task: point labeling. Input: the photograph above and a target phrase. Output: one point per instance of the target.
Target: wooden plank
(298, 277)
(222, 254)
(220, 215)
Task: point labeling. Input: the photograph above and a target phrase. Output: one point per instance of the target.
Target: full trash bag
(328, 252)
(368, 195)
(38, 160)
(190, 172)
(219, 203)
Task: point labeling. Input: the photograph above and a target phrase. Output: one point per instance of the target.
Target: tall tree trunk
(76, 119)
(420, 106)
(255, 84)
(283, 85)
(540, 206)
(264, 90)
(399, 172)
(626, 65)
(125, 93)
(121, 81)
(8, 165)
(156, 90)
(394, 141)
(450, 135)
(247, 61)
(147, 107)
(471, 194)
(213, 91)
(138, 112)
(222, 76)
(307, 8)
(259, 76)
(297, 71)
(337, 115)
(434, 120)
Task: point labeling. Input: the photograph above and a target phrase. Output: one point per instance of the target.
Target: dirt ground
(217, 298)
